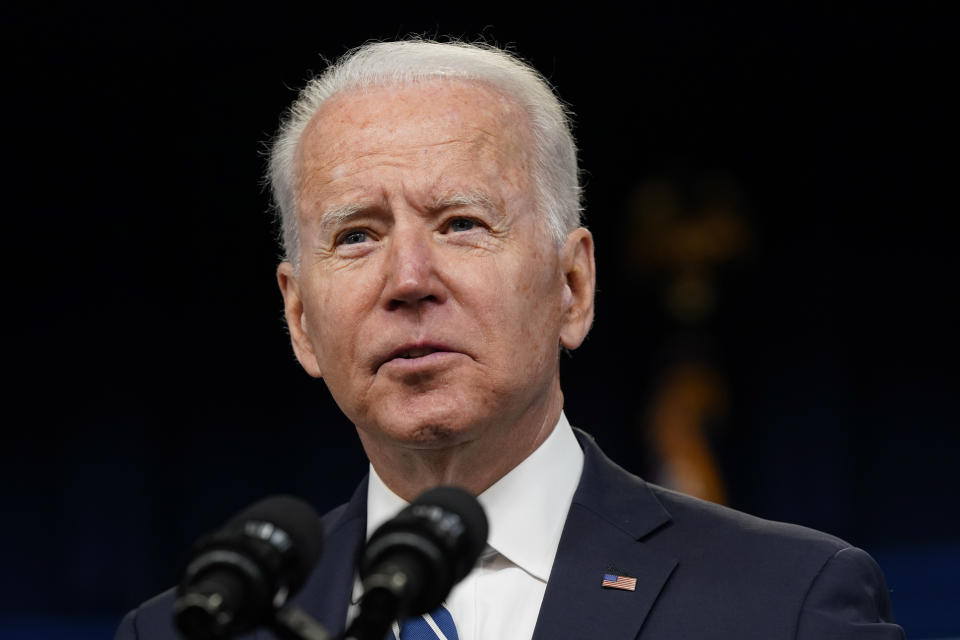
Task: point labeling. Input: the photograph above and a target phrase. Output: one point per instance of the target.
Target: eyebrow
(477, 199)
(339, 215)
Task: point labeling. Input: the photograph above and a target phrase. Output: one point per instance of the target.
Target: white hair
(554, 171)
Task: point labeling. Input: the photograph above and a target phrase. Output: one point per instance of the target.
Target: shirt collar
(526, 508)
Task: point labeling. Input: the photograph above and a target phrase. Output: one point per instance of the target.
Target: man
(435, 267)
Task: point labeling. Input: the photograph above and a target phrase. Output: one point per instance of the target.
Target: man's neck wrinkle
(474, 465)
(425, 469)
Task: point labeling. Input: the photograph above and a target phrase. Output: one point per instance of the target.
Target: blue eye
(462, 224)
(354, 237)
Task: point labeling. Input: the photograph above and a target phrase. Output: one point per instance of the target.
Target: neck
(474, 464)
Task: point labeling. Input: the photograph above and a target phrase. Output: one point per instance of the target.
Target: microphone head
(239, 576)
(454, 501)
(297, 521)
(434, 542)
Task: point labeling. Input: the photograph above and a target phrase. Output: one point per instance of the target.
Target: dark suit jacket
(703, 571)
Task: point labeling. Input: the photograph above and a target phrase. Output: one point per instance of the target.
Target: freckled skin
(415, 262)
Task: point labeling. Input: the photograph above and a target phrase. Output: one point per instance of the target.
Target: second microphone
(412, 562)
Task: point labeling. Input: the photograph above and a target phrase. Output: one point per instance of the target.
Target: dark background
(150, 387)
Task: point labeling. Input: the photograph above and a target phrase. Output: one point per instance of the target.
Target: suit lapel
(611, 511)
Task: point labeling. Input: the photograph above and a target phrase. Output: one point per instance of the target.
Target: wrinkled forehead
(425, 113)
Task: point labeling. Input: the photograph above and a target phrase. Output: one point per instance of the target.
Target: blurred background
(770, 192)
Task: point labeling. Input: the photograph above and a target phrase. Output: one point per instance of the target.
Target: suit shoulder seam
(134, 616)
(813, 581)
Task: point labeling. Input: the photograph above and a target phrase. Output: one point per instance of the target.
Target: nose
(412, 278)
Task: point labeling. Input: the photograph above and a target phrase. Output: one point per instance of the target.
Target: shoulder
(750, 556)
(711, 525)
(689, 527)
(805, 582)
(733, 569)
(152, 620)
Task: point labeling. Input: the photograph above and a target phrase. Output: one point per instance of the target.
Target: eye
(462, 224)
(354, 237)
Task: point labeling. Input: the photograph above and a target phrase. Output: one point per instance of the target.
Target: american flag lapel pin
(613, 581)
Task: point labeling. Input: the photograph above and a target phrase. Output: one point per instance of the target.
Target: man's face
(429, 297)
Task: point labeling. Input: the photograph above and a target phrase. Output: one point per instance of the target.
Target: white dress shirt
(526, 510)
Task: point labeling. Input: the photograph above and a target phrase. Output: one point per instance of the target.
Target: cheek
(327, 318)
(339, 311)
(538, 286)
(534, 302)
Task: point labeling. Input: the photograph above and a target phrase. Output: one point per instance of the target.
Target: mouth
(410, 354)
(416, 353)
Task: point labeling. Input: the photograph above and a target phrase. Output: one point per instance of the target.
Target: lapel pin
(611, 581)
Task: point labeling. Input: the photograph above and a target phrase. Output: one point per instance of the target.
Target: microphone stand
(293, 623)
(378, 610)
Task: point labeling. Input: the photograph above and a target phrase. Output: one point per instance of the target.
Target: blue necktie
(420, 628)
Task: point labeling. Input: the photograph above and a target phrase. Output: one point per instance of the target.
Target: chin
(427, 426)
(433, 436)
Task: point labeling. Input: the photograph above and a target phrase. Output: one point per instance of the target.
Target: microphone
(412, 561)
(240, 576)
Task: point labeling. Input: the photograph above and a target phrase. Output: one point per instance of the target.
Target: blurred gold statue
(682, 242)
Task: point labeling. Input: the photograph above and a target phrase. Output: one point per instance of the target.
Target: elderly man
(435, 267)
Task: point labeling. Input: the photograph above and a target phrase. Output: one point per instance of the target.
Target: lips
(415, 351)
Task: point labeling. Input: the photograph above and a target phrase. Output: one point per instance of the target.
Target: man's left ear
(579, 272)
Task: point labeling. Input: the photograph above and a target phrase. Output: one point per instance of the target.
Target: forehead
(429, 122)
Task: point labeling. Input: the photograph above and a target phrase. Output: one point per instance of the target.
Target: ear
(579, 272)
(296, 319)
